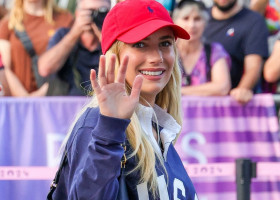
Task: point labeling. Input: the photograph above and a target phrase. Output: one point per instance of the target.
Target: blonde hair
(168, 99)
(17, 13)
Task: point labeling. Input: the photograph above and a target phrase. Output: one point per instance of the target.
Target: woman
(205, 67)
(4, 87)
(136, 103)
(39, 19)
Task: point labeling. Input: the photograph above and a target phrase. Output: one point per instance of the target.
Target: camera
(99, 15)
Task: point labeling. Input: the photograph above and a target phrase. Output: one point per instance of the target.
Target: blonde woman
(136, 103)
(39, 19)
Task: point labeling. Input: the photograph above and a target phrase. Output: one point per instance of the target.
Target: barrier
(194, 170)
(31, 132)
(219, 130)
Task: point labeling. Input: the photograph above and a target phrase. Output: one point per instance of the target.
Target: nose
(155, 56)
(191, 23)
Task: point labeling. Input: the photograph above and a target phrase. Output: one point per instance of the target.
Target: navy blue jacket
(93, 165)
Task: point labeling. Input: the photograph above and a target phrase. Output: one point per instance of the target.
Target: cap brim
(144, 30)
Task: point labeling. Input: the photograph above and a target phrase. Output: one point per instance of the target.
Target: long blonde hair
(168, 99)
(17, 13)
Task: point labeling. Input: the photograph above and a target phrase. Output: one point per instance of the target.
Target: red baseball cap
(133, 20)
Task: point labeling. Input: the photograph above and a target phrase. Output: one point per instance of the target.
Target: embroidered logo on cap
(150, 9)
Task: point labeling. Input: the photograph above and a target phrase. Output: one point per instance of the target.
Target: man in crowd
(73, 52)
(243, 33)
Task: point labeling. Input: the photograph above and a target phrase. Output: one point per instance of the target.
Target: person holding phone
(72, 52)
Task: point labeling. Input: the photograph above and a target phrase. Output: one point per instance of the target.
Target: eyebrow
(166, 37)
(162, 38)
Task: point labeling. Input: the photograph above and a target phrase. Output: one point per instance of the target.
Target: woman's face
(153, 58)
(193, 23)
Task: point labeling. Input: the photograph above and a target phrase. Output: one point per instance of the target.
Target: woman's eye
(197, 18)
(139, 45)
(165, 44)
(186, 18)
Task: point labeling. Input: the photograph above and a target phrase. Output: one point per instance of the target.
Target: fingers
(242, 95)
(109, 76)
(111, 70)
(94, 83)
(83, 20)
(122, 71)
(136, 88)
(101, 72)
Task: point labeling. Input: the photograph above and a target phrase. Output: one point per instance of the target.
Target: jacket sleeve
(95, 160)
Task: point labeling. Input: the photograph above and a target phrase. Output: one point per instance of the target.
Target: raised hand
(111, 94)
(82, 20)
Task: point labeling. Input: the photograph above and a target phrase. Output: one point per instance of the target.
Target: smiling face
(153, 58)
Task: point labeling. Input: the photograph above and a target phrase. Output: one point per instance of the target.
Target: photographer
(73, 52)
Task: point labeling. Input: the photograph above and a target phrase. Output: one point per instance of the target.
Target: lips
(152, 73)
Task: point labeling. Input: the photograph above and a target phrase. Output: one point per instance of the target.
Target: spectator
(243, 33)
(270, 10)
(39, 20)
(205, 67)
(259, 6)
(272, 65)
(73, 52)
(3, 81)
(3, 11)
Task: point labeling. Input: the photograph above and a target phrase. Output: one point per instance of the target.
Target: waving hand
(110, 91)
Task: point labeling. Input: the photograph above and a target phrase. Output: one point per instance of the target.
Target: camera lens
(99, 15)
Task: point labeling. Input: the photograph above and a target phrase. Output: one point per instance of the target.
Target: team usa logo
(230, 32)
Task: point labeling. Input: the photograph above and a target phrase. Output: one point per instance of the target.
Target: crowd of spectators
(228, 53)
(205, 66)
(72, 52)
(35, 21)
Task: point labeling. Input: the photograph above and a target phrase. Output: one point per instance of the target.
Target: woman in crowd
(4, 87)
(205, 67)
(39, 19)
(136, 103)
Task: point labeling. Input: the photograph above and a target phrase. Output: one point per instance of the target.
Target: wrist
(72, 37)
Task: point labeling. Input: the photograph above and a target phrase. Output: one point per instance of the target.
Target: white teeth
(151, 73)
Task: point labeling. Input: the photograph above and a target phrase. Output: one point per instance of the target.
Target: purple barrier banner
(215, 130)
(219, 130)
(31, 132)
